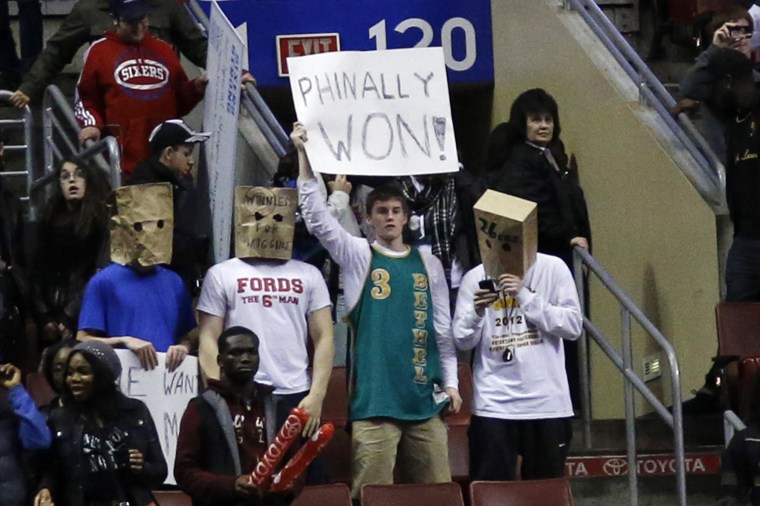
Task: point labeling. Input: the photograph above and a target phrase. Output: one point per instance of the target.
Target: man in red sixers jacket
(131, 82)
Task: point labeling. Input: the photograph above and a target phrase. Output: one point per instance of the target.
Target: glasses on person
(76, 174)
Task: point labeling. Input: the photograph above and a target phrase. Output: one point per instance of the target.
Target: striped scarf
(437, 202)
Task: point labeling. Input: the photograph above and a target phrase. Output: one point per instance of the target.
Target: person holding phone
(516, 327)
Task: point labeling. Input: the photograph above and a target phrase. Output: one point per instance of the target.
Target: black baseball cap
(174, 132)
(130, 10)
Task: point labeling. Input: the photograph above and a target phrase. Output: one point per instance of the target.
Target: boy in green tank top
(403, 362)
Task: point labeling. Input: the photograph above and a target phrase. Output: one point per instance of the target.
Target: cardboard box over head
(265, 222)
(142, 224)
(507, 233)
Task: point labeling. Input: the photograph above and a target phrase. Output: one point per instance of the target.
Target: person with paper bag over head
(515, 310)
(404, 369)
(136, 302)
(171, 161)
(283, 301)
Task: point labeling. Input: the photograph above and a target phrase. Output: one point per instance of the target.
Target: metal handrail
(57, 116)
(251, 99)
(710, 178)
(27, 147)
(107, 144)
(633, 381)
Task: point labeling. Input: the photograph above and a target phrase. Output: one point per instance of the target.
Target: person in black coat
(535, 167)
(171, 161)
(105, 446)
(71, 245)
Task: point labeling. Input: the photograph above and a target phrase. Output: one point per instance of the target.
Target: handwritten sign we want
(165, 393)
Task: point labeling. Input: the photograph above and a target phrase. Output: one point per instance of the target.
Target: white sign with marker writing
(220, 115)
(165, 393)
(375, 112)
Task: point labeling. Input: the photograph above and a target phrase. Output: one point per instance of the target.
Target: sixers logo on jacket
(141, 74)
(145, 77)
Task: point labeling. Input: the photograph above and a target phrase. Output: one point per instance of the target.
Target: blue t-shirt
(152, 306)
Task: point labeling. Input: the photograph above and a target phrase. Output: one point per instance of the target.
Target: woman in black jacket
(528, 160)
(71, 245)
(105, 447)
(532, 164)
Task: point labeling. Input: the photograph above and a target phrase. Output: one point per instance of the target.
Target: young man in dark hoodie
(223, 432)
(171, 161)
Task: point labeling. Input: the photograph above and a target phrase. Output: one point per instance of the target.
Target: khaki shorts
(420, 448)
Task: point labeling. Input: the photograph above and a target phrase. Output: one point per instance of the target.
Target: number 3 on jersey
(380, 279)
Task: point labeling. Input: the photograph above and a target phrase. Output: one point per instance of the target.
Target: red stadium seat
(738, 328)
(462, 419)
(439, 494)
(459, 454)
(335, 408)
(738, 325)
(336, 494)
(172, 498)
(554, 492)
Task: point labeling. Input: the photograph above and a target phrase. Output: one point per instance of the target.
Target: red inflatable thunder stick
(290, 430)
(303, 458)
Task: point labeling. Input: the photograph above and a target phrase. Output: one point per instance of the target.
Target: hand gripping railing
(27, 147)
(624, 362)
(709, 178)
(61, 138)
(251, 101)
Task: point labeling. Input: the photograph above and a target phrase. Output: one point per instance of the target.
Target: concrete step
(652, 434)
(653, 491)
(599, 474)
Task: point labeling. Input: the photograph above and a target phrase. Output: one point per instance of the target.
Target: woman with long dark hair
(528, 160)
(70, 246)
(105, 446)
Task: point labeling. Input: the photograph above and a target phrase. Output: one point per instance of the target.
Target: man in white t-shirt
(284, 302)
(521, 402)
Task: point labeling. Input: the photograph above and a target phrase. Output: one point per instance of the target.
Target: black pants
(496, 443)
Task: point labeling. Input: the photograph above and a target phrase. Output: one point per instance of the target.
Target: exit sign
(300, 45)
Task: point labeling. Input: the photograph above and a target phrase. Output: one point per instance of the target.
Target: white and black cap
(174, 132)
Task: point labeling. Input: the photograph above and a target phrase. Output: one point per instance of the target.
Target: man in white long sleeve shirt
(403, 357)
(521, 402)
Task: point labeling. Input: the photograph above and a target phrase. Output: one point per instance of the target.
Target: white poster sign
(375, 112)
(220, 116)
(165, 393)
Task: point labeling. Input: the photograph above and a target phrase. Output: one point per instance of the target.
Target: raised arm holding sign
(385, 278)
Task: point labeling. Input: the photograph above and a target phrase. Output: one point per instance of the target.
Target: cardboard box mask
(142, 223)
(264, 222)
(507, 233)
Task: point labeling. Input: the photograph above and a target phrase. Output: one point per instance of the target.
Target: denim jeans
(743, 270)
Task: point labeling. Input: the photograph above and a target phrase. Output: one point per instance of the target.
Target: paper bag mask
(264, 222)
(507, 233)
(142, 222)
